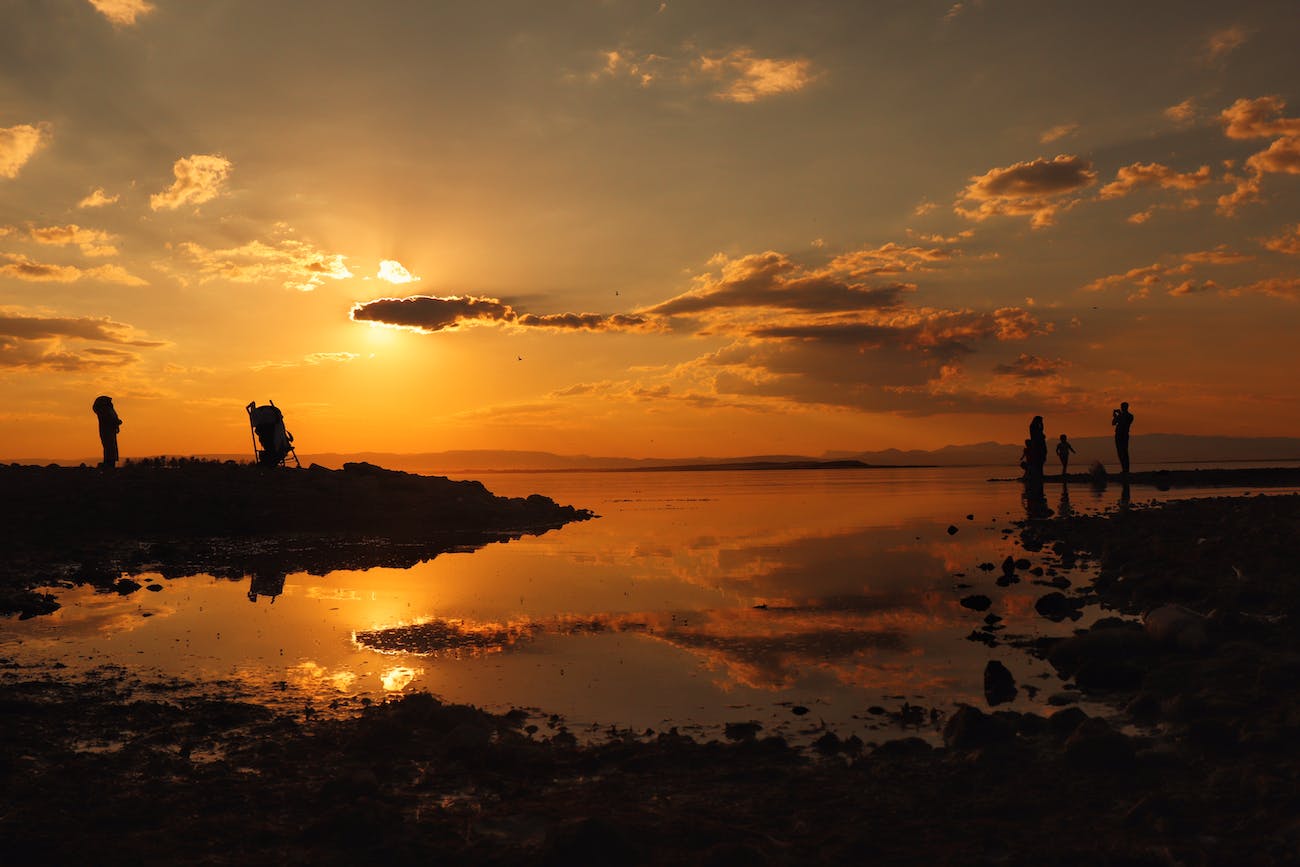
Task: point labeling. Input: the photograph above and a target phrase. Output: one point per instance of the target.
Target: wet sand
(1197, 765)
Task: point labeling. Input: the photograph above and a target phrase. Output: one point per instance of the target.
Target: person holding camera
(1121, 419)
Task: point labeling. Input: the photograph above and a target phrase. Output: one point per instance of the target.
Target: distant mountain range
(1146, 450)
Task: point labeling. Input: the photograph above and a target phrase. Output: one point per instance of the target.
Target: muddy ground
(1198, 765)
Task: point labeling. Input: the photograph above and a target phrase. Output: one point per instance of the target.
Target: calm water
(695, 599)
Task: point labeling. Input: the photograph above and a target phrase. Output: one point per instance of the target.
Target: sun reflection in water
(398, 678)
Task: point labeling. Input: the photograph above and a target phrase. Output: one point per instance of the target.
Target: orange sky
(644, 228)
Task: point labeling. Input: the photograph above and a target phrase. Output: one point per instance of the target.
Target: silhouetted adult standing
(1122, 420)
(109, 425)
(1037, 448)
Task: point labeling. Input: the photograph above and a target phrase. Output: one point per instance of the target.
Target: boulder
(977, 602)
(999, 685)
(1176, 627)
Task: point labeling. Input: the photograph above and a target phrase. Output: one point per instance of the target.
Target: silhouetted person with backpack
(1121, 419)
(109, 425)
(1037, 448)
(1063, 450)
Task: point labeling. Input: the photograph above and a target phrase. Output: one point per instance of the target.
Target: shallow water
(696, 599)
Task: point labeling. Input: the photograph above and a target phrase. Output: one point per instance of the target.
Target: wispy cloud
(1182, 113)
(98, 199)
(199, 179)
(1138, 175)
(1260, 117)
(1058, 132)
(746, 77)
(93, 242)
(740, 75)
(1288, 242)
(18, 144)
(292, 263)
(24, 268)
(1223, 42)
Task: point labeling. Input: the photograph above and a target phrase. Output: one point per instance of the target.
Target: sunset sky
(645, 228)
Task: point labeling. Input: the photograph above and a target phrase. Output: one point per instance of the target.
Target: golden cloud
(199, 179)
(395, 272)
(1258, 118)
(1035, 188)
(1220, 255)
(23, 268)
(292, 263)
(93, 242)
(1144, 278)
(123, 13)
(1138, 175)
(18, 144)
(1288, 242)
(1287, 288)
(747, 78)
(97, 199)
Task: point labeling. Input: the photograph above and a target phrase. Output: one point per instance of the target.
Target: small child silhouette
(1063, 449)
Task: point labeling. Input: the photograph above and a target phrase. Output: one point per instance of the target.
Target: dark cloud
(429, 313)
(773, 281)
(1036, 188)
(45, 343)
(1028, 366)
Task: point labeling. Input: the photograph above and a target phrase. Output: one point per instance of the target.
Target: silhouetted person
(109, 425)
(1063, 450)
(1037, 448)
(1025, 454)
(1121, 419)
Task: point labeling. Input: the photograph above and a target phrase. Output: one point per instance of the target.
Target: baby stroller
(267, 423)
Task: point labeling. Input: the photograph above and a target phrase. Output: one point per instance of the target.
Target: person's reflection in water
(270, 584)
(1035, 500)
(1063, 508)
(1124, 496)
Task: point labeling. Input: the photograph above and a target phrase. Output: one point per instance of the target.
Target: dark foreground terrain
(1199, 764)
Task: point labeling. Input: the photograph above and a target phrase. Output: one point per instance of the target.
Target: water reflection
(270, 585)
(701, 597)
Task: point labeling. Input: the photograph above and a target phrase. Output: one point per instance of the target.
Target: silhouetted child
(1063, 449)
(1025, 456)
(109, 425)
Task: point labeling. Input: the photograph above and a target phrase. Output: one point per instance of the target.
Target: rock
(1094, 744)
(828, 744)
(1057, 606)
(742, 731)
(1009, 566)
(798, 710)
(1114, 644)
(992, 618)
(126, 586)
(952, 529)
(999, 685)
(904, 747)
(970, 728)
(1007, 580)
(154, 588)
(987, 567)
(1062, 699)
(977, 602)
(1177, 627)
(1064, 722)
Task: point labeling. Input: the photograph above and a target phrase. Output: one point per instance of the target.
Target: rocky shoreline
(1197, 764)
